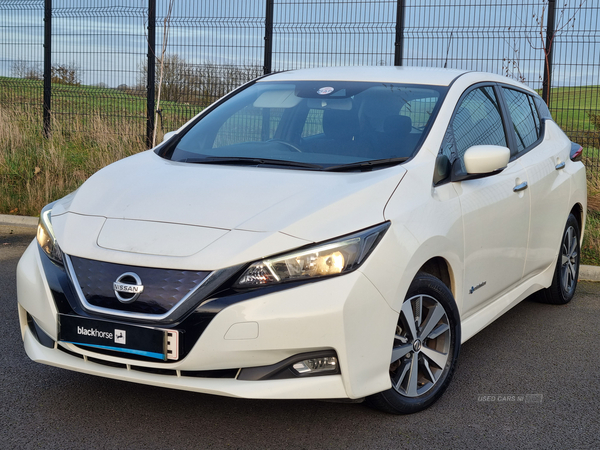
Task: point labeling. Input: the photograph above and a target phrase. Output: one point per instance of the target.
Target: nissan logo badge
(128, 287)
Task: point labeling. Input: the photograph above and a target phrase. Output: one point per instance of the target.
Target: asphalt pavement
(529, 380)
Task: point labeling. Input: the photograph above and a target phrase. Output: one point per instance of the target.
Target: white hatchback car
(325, 233)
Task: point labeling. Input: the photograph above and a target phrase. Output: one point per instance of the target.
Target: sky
(107, 39)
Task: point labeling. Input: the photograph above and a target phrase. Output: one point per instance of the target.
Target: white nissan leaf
(331, 233)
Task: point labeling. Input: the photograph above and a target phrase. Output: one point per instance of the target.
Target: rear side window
(525, 119)
(314, 123)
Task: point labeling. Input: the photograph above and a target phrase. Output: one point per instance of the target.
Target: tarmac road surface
(529, 380)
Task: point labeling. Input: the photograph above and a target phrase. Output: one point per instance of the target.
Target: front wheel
(425, 350)
(566, 272)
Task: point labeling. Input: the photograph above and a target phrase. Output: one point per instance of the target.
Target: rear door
(543, 151)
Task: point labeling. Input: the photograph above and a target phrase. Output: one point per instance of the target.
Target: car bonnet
(146, 204)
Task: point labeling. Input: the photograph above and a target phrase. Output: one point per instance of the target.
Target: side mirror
(168, 135)
(484, 159)
(480, 161)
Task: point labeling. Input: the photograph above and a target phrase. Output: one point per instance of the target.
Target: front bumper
(346, 314)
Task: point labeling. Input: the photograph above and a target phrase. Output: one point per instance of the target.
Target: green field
(113, 105)
(569, 105)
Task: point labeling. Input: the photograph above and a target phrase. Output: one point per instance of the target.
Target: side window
(524, 116)
(314, 123)
(477, 121)
(419, 110)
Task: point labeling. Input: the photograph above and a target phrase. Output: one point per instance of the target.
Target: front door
(495, 208)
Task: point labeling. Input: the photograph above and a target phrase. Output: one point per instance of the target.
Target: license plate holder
(155, 343)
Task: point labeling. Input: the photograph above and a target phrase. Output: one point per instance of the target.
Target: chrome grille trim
(208, 282)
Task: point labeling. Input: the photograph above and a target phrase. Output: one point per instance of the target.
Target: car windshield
(315, 125)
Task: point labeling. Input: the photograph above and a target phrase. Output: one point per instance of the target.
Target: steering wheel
(287, 144)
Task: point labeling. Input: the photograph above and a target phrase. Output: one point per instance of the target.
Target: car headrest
(340, 124)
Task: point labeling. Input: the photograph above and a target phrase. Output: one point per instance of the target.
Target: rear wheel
(425, 350)
(566, 272)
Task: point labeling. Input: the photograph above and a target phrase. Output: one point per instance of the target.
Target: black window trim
(542, 108)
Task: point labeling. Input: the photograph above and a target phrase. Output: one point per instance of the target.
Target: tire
(424, 354)
(566, 272)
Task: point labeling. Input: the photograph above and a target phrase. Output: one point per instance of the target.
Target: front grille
(163, 288)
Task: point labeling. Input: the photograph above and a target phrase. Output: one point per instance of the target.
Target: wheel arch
(577, 211)
(441, 269)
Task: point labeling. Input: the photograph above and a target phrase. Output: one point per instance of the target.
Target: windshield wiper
(235, 160)
(367, 165)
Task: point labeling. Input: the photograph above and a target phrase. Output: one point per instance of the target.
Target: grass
(35, 171)
(590, 249)
(569, 106)
(82, 102)
(93, 127)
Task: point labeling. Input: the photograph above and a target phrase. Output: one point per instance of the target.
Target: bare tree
(176, 73)
(199, 84)
(166, 29)
(60, 73)
(510, 66)
(27, 70)
(547, 37)
(66, 74)
(543, 39)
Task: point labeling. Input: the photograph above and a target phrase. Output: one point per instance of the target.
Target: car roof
(386, 74)
(433, 76)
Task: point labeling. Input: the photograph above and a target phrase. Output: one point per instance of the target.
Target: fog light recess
(319, 363)
(316, 365)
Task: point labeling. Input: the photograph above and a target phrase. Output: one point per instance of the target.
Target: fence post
(150, 105)
(399, 42)
(47, 67)
(548, 51)
(268, 58)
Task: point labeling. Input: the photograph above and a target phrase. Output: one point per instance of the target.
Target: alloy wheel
(569, 260)
(421, 346)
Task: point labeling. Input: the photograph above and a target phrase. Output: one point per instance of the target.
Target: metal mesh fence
(97, 53)
(22, 56)
(208, 49)
(575, 97)
(312, 33)
(490, 36)
(100, 51)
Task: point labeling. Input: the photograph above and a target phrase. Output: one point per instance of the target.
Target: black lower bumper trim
(283, 369)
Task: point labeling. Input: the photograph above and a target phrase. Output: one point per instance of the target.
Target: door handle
(560, 166)
(520, 187)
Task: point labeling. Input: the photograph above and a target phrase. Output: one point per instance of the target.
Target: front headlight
(45, 236)
(334, 257)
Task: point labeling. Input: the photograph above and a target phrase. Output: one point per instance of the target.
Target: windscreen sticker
(325, 90)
